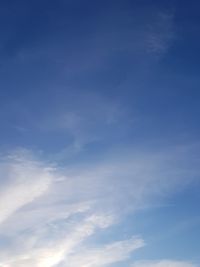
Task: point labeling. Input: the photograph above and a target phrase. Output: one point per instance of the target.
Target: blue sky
(99, 140)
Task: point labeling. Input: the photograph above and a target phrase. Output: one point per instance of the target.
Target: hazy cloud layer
(52, 211)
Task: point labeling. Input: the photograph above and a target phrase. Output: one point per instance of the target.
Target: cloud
(23, 182)
(53, 212)
(85, 119)
(106, 255)
(51, 253)
(163, 263)
(160, 34)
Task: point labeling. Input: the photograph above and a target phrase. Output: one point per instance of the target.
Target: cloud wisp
(53, 212)
(27, 181)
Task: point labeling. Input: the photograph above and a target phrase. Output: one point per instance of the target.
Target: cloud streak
(27, 181)
(52, 211)
(106, 255)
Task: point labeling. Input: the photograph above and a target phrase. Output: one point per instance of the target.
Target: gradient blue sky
(99, 140)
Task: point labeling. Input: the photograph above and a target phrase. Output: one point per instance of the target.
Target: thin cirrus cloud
(84, 120)
(54, 252)
(106, 255)
(59, 209)
(160, 34)
(27, 180)
(125, 33)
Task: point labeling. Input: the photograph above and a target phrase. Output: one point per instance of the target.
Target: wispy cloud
(106, 255)
(38, 250)
(160, 34)
(24, 181)
(52, 211)
(85, 119)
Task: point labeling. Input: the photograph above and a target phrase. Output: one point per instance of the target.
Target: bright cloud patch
(55, 212)
(24, 181)
(106, 255)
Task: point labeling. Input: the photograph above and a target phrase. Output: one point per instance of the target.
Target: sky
(99, 140)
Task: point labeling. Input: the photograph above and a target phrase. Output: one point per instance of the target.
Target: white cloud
(106, 255)
(163, 263)
(52, 212)
(51, 252)
(24, 181)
